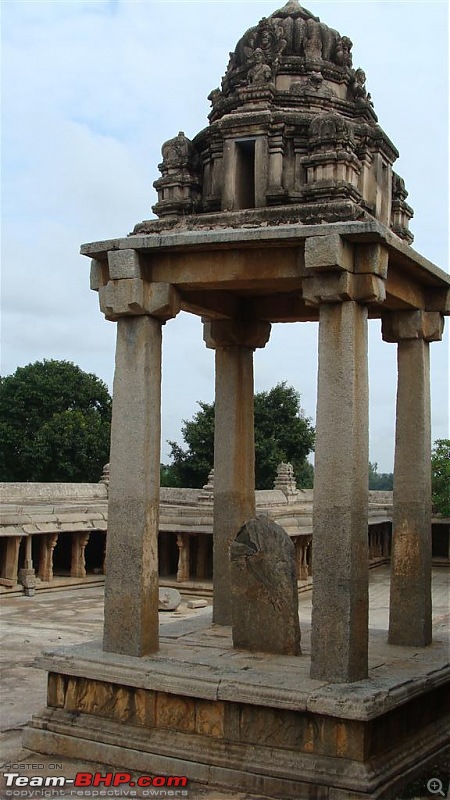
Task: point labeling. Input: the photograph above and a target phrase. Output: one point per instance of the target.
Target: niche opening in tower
(245, 173)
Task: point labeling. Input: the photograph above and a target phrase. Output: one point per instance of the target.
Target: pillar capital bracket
(120, 264)
(337, 287)
(332, 253)
(235, 333)
(131, 297)
(400, 325)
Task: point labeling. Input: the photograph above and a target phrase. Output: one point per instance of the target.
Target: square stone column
(234, 445)
(342, 280)
(140, 308)
(410, 594)
(131, 584)
(11, 562)
(339, 636)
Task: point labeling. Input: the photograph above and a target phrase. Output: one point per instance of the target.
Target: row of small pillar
(48, 543)
(302, 545)
(339, 642)
(184, 556)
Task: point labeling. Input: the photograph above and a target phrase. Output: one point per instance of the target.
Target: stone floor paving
(74, 616)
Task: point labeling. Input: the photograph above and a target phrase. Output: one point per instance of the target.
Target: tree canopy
(440, 477)
(55, 423)
(282, 433)
(380, 481)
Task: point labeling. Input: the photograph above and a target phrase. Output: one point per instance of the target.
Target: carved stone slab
(264, 599)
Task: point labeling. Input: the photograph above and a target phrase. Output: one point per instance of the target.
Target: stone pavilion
(285, 208)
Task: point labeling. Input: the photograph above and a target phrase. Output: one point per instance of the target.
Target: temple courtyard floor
(70, 616)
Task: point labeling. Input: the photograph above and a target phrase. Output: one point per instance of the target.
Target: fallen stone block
(197, 603)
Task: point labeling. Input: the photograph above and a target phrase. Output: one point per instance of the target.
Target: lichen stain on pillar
(408, 543)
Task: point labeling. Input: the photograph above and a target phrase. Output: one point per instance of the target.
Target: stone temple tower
(293, 136)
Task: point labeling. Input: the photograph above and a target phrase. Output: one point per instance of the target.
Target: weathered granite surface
(264, 595)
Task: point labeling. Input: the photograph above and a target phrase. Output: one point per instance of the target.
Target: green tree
(190, 467)
(380, 481)
(440, 477)
(282, 433)
(55, 423)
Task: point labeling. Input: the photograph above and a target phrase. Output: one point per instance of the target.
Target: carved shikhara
(292, 128)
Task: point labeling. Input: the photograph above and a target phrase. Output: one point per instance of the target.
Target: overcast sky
(92, 88)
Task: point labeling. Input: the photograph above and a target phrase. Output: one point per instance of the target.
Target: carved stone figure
(267, 37)
(313, 85)
(260, 73)
(271, 39)
(358, 85)
(343, 56)
(214, 97)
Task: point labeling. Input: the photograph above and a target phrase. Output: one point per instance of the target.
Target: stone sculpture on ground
(169, 599)
(264, 597)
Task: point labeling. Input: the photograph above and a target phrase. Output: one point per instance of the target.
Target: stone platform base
(249, 722)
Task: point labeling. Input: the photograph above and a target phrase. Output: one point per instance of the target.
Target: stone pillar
(234, 447)
(229, 190)
(304, 543)
(77, 564)
(340, 281)
(131, 585)
(184, 552)
(48, 545)
(276, 152)
(11, 564)
(339, 635)
(410, 598)
(27, 575)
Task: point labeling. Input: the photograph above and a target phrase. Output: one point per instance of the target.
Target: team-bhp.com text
(111, 784)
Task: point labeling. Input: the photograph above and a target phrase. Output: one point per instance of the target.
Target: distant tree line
(55, 423)
(380, 481)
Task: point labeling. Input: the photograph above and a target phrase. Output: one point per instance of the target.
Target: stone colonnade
(341, 282)
(42, 567)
